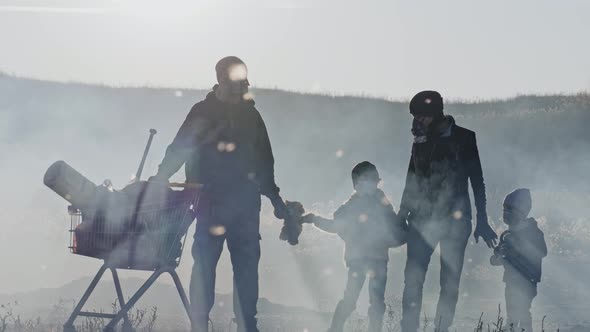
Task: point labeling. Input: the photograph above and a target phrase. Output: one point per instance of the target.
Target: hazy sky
(466, 49)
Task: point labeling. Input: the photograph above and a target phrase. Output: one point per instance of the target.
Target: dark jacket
(365, 223)
(526, 248)
(225, 147)
(436, 183)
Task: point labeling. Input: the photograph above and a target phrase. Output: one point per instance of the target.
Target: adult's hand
(158, 179)
(280, 208)
(483, 230)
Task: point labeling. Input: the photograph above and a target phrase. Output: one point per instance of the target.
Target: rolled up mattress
(69, 184)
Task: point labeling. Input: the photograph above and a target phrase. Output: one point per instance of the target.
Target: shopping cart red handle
(185, 185)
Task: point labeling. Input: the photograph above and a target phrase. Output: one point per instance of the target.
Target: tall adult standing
(224, 145)
(437, 207)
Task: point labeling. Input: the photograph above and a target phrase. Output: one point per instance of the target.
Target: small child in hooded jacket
(369, 227)
(521, 251)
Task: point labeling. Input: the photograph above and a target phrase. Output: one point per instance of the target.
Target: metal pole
(145, 153)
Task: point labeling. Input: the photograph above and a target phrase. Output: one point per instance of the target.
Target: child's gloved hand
(308, 218)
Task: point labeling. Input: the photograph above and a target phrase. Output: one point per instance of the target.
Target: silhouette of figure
(521, 251)
(437, 207)
(369, 227)
(224, 145)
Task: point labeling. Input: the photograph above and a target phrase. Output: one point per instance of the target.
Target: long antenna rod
(145, 153)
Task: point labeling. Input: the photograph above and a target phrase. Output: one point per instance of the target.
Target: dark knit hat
(364, 169)
(519, 200)
(427, 103)
(224, 65)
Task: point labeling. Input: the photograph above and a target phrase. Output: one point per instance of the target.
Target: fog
(538, 142)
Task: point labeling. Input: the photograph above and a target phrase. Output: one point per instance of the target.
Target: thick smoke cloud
(535, 142)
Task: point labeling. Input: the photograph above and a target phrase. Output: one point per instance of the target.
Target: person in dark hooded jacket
(521, 251)
(436, 205)
(369, 227)
(224, 145)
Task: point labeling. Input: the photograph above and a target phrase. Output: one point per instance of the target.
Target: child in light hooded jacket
(369, 227)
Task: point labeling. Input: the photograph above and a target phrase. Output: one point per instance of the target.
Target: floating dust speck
(238, 73)
(339, 153)
(221, 146)
(457, 215)
(178, 93)
(230, 147)
(363, 217)
(217, 230)
(248, 96)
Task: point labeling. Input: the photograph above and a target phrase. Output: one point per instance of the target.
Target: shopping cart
(138, 231)
(153, 241)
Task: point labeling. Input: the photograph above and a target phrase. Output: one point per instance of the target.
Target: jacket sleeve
(541, 244)
(265, 162)
(475, 174)
(183, 145)
(343, 223)
(537, 247)
(326, 225)
(388, 210)
(410, 194)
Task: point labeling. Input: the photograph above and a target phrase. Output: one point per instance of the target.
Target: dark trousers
(376, 271)
(423, 237)
(240, 228)
(519, 298)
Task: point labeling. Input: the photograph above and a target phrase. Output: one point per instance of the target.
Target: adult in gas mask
(437, 207)
(224, 145)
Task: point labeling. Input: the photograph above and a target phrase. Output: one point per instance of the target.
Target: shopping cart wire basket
(147, 236)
